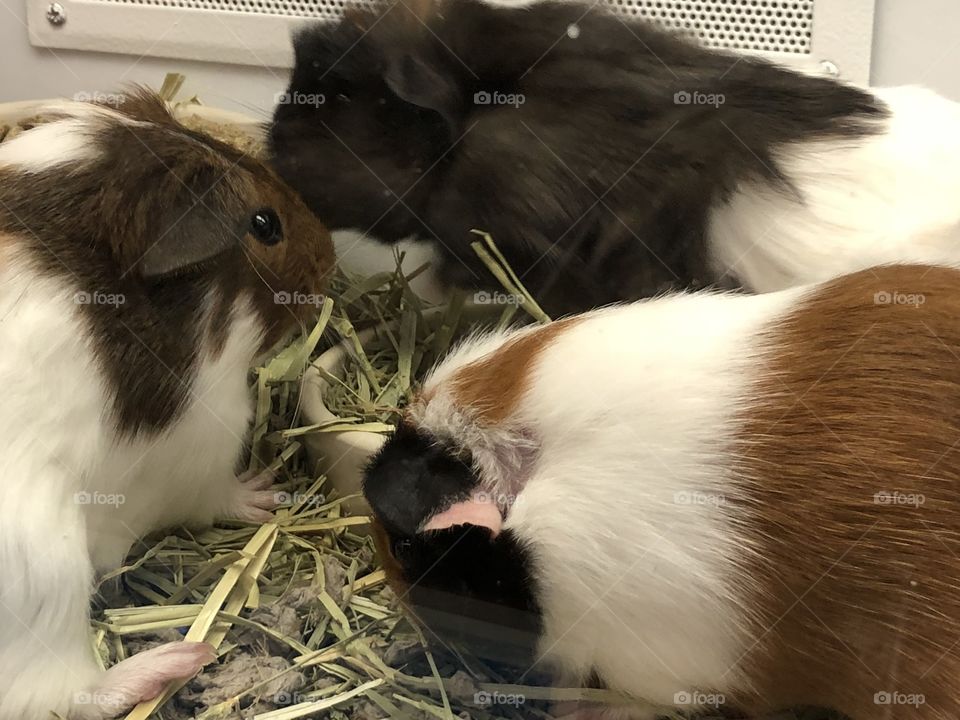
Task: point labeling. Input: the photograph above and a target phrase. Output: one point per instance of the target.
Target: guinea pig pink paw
(253, 500)
(141, 677)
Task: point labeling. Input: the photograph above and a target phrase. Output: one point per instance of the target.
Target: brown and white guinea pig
(749, 498)
(610, 160)
(138, 266)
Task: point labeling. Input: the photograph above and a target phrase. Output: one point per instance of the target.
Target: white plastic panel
(803, 33)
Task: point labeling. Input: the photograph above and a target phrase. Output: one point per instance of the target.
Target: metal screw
(56, 14)
(830, 68)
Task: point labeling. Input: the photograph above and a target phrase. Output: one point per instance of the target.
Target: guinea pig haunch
(610, 160)
(750, 500)
(143, 267)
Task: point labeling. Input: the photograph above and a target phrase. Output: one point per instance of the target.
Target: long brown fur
(856, 591)
(491, 387)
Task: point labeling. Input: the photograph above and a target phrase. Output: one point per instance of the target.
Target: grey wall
(915, 41)
(29, 73)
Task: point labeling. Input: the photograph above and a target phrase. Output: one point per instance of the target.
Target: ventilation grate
(757, 25)
(753, 25)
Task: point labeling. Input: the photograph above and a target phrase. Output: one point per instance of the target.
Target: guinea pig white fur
(706, 497)
(884, 198)
(138, 266)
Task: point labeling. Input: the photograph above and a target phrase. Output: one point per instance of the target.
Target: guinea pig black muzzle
(469, 584)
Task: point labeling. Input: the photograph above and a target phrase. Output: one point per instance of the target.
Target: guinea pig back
(709, 498)
(610, 160)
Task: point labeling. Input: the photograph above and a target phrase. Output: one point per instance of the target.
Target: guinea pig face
(355, 134)
(413, 478)
(468, 582)
(287, 254)
(227, 218)
(136, 202)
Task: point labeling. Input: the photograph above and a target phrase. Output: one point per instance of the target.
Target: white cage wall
(816, 35)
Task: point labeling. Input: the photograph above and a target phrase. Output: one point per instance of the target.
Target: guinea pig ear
(187, 238)
(422, 82)
(419, 82)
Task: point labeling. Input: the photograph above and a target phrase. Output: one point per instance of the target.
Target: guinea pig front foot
(140, 678)
(251, 498)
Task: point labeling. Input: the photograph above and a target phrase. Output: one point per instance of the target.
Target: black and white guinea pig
(139, 262)
(702, 498)
(609, 160)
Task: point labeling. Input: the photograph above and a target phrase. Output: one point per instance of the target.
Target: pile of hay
(304, 623)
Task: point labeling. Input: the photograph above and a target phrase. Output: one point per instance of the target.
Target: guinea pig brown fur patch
(851, 458)
(492, 387)
(163, 217)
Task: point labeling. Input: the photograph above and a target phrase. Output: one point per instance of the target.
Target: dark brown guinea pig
(610, 160)
(703, 499)
(143, 267)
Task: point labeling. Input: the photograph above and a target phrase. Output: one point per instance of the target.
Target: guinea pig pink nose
(479, 510)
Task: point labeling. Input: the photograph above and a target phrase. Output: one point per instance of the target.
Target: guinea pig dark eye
(266, 227)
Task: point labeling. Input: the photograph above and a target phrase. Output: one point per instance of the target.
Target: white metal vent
(758, 25)
(317, 9)
(810, 34)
